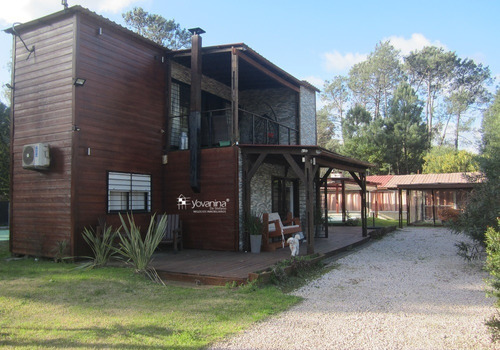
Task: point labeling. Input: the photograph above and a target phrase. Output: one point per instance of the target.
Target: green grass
(383, 222)
(4, 235)
(48, 305)
(378, 222)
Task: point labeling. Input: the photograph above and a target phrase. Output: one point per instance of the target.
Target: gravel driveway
(407, 291)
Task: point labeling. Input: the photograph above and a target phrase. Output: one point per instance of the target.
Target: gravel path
(407, 291)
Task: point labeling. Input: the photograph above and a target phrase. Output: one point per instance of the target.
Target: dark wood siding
(219, 182)
(41, 200)
(120, 114)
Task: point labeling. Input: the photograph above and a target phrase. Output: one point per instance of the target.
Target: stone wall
(307, 116)
(281, 101)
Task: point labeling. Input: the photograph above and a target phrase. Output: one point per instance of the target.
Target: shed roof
(433, 181)
(380, 180)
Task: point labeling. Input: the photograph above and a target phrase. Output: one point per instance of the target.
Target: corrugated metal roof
(430, 179)
(380, 180)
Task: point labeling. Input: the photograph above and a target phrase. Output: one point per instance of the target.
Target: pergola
(306, 162)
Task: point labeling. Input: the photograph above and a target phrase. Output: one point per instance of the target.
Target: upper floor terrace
(243, 99)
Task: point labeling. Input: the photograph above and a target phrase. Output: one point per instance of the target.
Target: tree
(483, 206)
(468, 88)
(374, 80)
(4, 151)
(364, 138)
(164, 32)
(326, 130)
(356, 120)
(430, 70)
(445, 159)
(406, 133)
(336, 94)
(490, 145)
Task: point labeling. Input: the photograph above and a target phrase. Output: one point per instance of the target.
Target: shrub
(448, 214)
(101, 244)
(139, 252)
(493, 267)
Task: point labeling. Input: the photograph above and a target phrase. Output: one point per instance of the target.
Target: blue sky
(312, 40)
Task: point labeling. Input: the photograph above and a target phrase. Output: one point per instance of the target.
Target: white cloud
(316, 81)
(336, 62)
(417, 41)
(27, 10)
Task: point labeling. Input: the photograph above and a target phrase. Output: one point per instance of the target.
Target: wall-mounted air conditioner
(36, 156)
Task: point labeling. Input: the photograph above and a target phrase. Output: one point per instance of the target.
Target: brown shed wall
(120, 114)
(41, 200)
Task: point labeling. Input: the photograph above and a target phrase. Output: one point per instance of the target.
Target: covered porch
(312, 166)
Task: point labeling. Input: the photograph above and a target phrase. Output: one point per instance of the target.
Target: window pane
(117, 201)
(128, 191)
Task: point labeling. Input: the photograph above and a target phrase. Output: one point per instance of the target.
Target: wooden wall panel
(219, 182)
(41, 200)
(120, 115)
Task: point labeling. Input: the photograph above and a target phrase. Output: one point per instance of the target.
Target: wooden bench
(173, 230)
(277, 232)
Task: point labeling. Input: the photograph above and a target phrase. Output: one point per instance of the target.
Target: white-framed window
(128, 192)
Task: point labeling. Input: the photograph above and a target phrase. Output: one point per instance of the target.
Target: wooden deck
(219, 267)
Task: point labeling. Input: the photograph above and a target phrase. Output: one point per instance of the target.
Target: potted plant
(254, 226)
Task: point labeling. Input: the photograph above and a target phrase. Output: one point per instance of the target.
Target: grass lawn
(4, 235)
(48, 305)
(383, 222)
(378, 222)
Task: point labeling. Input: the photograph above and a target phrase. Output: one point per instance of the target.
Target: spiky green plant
(138, 252)
(101, 244)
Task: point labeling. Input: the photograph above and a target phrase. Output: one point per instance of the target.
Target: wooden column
(364, 215)
(309, 203)
(235, 96)
(408, 206)
(400, 204)
(343, 201)
(324, 181)
(433, 207)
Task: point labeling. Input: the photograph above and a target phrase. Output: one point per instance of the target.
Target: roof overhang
(439, 186)
(322, 157)
(254, 70)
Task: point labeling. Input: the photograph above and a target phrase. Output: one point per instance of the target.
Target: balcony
(216, 130)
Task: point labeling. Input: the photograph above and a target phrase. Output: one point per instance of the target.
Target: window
(180, 97)
(129, 192)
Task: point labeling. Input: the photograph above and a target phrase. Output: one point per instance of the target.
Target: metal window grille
(129, 192)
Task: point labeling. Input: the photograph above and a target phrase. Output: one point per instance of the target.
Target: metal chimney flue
(195, 110)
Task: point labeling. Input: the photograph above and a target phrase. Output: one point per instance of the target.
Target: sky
(311, 40)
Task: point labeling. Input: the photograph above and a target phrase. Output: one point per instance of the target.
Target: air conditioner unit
(36, 156)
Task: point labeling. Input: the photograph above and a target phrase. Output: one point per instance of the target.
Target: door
(285, 196)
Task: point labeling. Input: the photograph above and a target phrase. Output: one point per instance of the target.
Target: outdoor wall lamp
(79, 82)
(8, 86)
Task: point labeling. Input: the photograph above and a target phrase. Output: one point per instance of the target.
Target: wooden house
(107, 122)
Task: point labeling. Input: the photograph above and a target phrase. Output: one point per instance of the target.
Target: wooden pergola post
(309, 203)
(408, 206)
(361, 181)
(433, 207)
(400, 204)
(343, 201)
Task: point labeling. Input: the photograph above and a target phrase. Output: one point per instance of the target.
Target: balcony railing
(216, 126)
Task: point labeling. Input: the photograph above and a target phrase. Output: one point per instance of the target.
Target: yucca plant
(100, 243)
(139, 252)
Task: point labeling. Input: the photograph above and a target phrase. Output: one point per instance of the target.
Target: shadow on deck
(219, 267)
